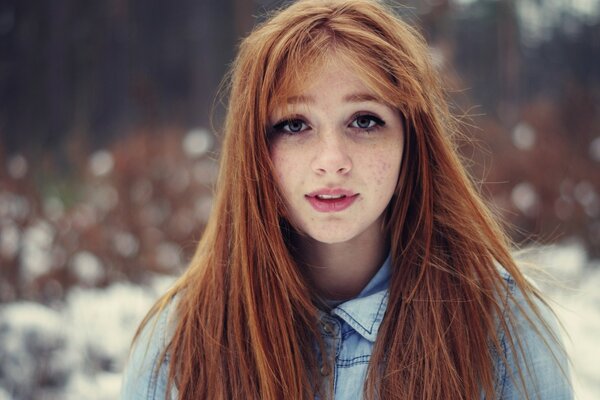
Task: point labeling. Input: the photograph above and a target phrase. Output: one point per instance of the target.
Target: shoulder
(146, 371)
(531, 344)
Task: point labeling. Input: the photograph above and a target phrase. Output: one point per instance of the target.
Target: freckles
(379, 172)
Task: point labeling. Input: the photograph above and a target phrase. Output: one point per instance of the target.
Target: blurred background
(109, 136)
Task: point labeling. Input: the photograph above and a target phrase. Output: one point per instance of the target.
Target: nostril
(331, 158)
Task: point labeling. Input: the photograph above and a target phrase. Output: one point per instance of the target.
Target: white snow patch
(572, 289)
(101, 386)
(523, 136)
(525, 198)
(36, 248)
(126, 244)
(197, 142)
(77, 352)
(9, 240)
(101, 163)
(17, 166)
(106, 319)
(87, 268)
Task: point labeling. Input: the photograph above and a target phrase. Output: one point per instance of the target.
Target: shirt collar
(364, 313)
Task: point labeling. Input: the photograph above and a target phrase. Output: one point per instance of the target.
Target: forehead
(296, 81)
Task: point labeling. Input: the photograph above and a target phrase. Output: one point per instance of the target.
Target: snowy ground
(78, 351)
(574, 292)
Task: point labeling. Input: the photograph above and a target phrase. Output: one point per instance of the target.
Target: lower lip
(332, 205)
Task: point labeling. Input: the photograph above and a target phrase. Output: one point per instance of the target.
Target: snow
(106, 319)
(102, 386)
(525, 198)
(103, 197)
(37, 243)
(101, 163)
(9, 239)
(87, 268)
(586, 195)
(125, 244)
(570, 282)
(54, 208)
(169, 255)
(17, 169)
(35, 350)
(197, 142)
(524, 136)
(141, 191)
(13, 207)
(78, 350)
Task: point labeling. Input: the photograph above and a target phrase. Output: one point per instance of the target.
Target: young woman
(348, 254)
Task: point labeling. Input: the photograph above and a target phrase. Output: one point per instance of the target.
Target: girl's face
(336, 149)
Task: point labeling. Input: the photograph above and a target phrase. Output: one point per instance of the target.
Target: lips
(331, 200)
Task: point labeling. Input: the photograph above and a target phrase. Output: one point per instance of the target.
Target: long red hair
(246, 315)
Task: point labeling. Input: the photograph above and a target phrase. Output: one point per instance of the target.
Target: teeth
(330, 196)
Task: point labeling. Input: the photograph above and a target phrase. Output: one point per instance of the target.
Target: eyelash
(280, 127)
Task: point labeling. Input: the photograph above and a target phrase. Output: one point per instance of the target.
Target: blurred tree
(97, 69)
(77, 76)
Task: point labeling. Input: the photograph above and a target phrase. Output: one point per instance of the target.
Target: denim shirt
(349, 331)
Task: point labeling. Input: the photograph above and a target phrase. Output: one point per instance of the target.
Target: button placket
(331, 333)
(328, 357)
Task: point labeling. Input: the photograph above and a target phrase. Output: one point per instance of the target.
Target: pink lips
(322, 199)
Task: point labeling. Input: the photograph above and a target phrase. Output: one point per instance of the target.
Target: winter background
(109, 141)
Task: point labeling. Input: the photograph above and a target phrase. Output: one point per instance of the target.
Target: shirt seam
(349, 362)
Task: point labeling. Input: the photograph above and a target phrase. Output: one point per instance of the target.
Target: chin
(331, 237)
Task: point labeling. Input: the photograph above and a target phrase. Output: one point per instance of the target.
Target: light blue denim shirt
(350, 330)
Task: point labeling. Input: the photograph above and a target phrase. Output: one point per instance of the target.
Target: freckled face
(336, 150)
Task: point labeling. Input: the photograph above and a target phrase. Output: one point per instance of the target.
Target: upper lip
(332, 192)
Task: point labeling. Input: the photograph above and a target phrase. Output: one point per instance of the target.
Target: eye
(366, 121)
(291, 126)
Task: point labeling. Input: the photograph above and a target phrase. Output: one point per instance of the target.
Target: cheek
(384, 169)
(285, 167)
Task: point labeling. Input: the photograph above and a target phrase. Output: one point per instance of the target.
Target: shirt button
(327, 328)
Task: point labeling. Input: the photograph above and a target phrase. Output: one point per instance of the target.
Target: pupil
(295, 126)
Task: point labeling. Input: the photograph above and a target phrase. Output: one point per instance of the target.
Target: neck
(340, 271)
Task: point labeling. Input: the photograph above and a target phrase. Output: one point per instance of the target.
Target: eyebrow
(361, 97)
(351, 98)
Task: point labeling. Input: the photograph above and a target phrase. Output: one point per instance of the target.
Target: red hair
(246, 318)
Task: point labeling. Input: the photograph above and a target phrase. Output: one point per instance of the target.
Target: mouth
(330, 196)
(331, 200)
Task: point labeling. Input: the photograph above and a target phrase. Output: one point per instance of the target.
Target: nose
(331, 156)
